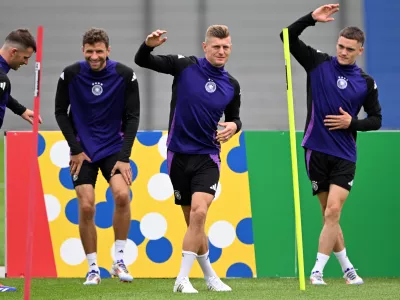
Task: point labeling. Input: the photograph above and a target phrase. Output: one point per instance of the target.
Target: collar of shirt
(97, 73)
(4, 65)
(350, 68)
(208, 66)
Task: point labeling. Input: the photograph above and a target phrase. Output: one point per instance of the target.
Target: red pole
(34, 159)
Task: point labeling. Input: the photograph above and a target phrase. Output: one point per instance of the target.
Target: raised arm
(307, 56)
(167, 64)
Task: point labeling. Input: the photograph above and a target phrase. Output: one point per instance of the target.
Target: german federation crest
(341, 82)
(210, 86)
(177, 195)
(97, 88)
(315, 185)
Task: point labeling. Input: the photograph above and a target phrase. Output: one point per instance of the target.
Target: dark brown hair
(95, 35)
(218, 31)
(353, 33)
(22, 37)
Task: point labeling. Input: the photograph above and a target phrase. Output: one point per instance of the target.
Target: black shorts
(190, 173)
(324, 170)
(89, 171)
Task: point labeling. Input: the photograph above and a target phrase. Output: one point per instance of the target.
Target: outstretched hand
(155, 39)
(323, 14)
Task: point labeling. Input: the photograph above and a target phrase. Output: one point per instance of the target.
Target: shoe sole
(313, 283)
(122, 280)
(91, 283)
(186, 292)
(358, 283)
(214, 290)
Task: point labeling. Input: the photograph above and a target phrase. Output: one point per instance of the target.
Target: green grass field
(242, 289)
(2, 213)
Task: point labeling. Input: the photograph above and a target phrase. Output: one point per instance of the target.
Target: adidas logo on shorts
(214, 187)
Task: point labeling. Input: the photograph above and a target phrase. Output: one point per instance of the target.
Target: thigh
(205, 174)
(107, 164)
(120, 190)
(343, 173)
(337, 197)
(87, 174)
(318, 171)
(180, 180)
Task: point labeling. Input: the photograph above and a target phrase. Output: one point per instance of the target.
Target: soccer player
(202, 91)
(18, 47)
(336, 90)
(103, 97)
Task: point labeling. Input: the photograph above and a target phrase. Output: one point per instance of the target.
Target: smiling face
(217, 46)
(96, 55)
(96, 49)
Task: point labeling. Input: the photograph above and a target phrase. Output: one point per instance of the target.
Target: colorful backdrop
(247, 238)
(157, 226)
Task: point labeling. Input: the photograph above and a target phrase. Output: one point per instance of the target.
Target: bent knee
(87, 210)
(121, 198)
(332, 213)
(198, 215)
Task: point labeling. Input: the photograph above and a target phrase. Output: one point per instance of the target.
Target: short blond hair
(218, 31)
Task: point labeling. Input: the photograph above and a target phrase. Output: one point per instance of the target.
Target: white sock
(343, 260)
(204, 261)
(119, 249)
(188, 259)
(319, 266)
(92, 261)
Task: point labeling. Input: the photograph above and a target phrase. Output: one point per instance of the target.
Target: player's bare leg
(121, 223)
(323, 201)
(87, 230)
(339, 248)
(212, 280)
(331, 206)
(195, 216)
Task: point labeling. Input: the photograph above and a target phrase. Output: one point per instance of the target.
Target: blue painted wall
(382, 55)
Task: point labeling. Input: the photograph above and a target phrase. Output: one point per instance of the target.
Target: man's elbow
(281, 36)
(378, 123)
(238, 123)
(139, 59)
(59, 114)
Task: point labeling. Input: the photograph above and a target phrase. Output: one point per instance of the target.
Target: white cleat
(216, 285)
(351, 277)
(93, 278)
(183, 285)
(316, 278)
(118, 269)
